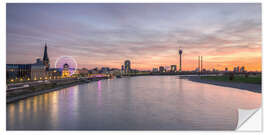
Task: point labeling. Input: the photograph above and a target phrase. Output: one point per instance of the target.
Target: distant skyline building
(155, 70)
(105, 70)
(242, 69)
(180, 64)
(161, 69)
(238, 69)
(122, 69)
(127, 66)
(202, 63)
(173, 68)
(234, 69)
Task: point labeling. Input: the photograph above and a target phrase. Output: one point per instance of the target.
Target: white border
(3, 66)
(266, 69)
(134, 1)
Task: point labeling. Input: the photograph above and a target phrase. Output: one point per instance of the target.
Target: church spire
(46, 58)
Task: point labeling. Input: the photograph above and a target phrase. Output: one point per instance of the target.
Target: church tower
(46, 60)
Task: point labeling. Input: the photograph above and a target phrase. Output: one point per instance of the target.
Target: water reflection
(99, 93)
(151, 102)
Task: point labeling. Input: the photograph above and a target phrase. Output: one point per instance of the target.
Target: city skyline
(149, 35)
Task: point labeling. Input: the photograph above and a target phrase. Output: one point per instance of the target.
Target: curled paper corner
(244, 115)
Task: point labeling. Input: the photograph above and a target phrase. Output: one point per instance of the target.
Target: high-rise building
(173, 68)
(161, 69)
(234, 69)
(200, 63)
(242, 69)
(180, 64)
(46, 60)
(127, 66)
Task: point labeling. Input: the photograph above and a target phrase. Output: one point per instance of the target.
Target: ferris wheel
(66, 61)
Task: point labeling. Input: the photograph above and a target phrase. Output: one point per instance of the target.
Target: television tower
(180, 65)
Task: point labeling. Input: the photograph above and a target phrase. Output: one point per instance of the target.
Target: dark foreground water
(136, 103)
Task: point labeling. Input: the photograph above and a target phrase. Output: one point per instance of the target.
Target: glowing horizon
(149, 35)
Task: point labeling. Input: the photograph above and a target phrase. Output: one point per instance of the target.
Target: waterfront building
(82, 72)
(93, 71)
(173, 68)
(155, 70)
(38, 70)
(65, 71)
(27, 72)
(161, 69)
(54, 73)
(18, 72)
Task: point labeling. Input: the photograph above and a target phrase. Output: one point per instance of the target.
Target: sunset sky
(105, 35)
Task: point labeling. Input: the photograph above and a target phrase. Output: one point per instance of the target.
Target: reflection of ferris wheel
(66, 60)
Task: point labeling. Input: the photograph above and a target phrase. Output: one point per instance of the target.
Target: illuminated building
(38, 70)
(65, 71)
(93, 71)
(127, 66)
(55, 73)
(83, 72)
(173, 68)
(18, 72)
(161, 69)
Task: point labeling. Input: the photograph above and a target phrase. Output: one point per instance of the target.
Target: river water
(135, 103)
